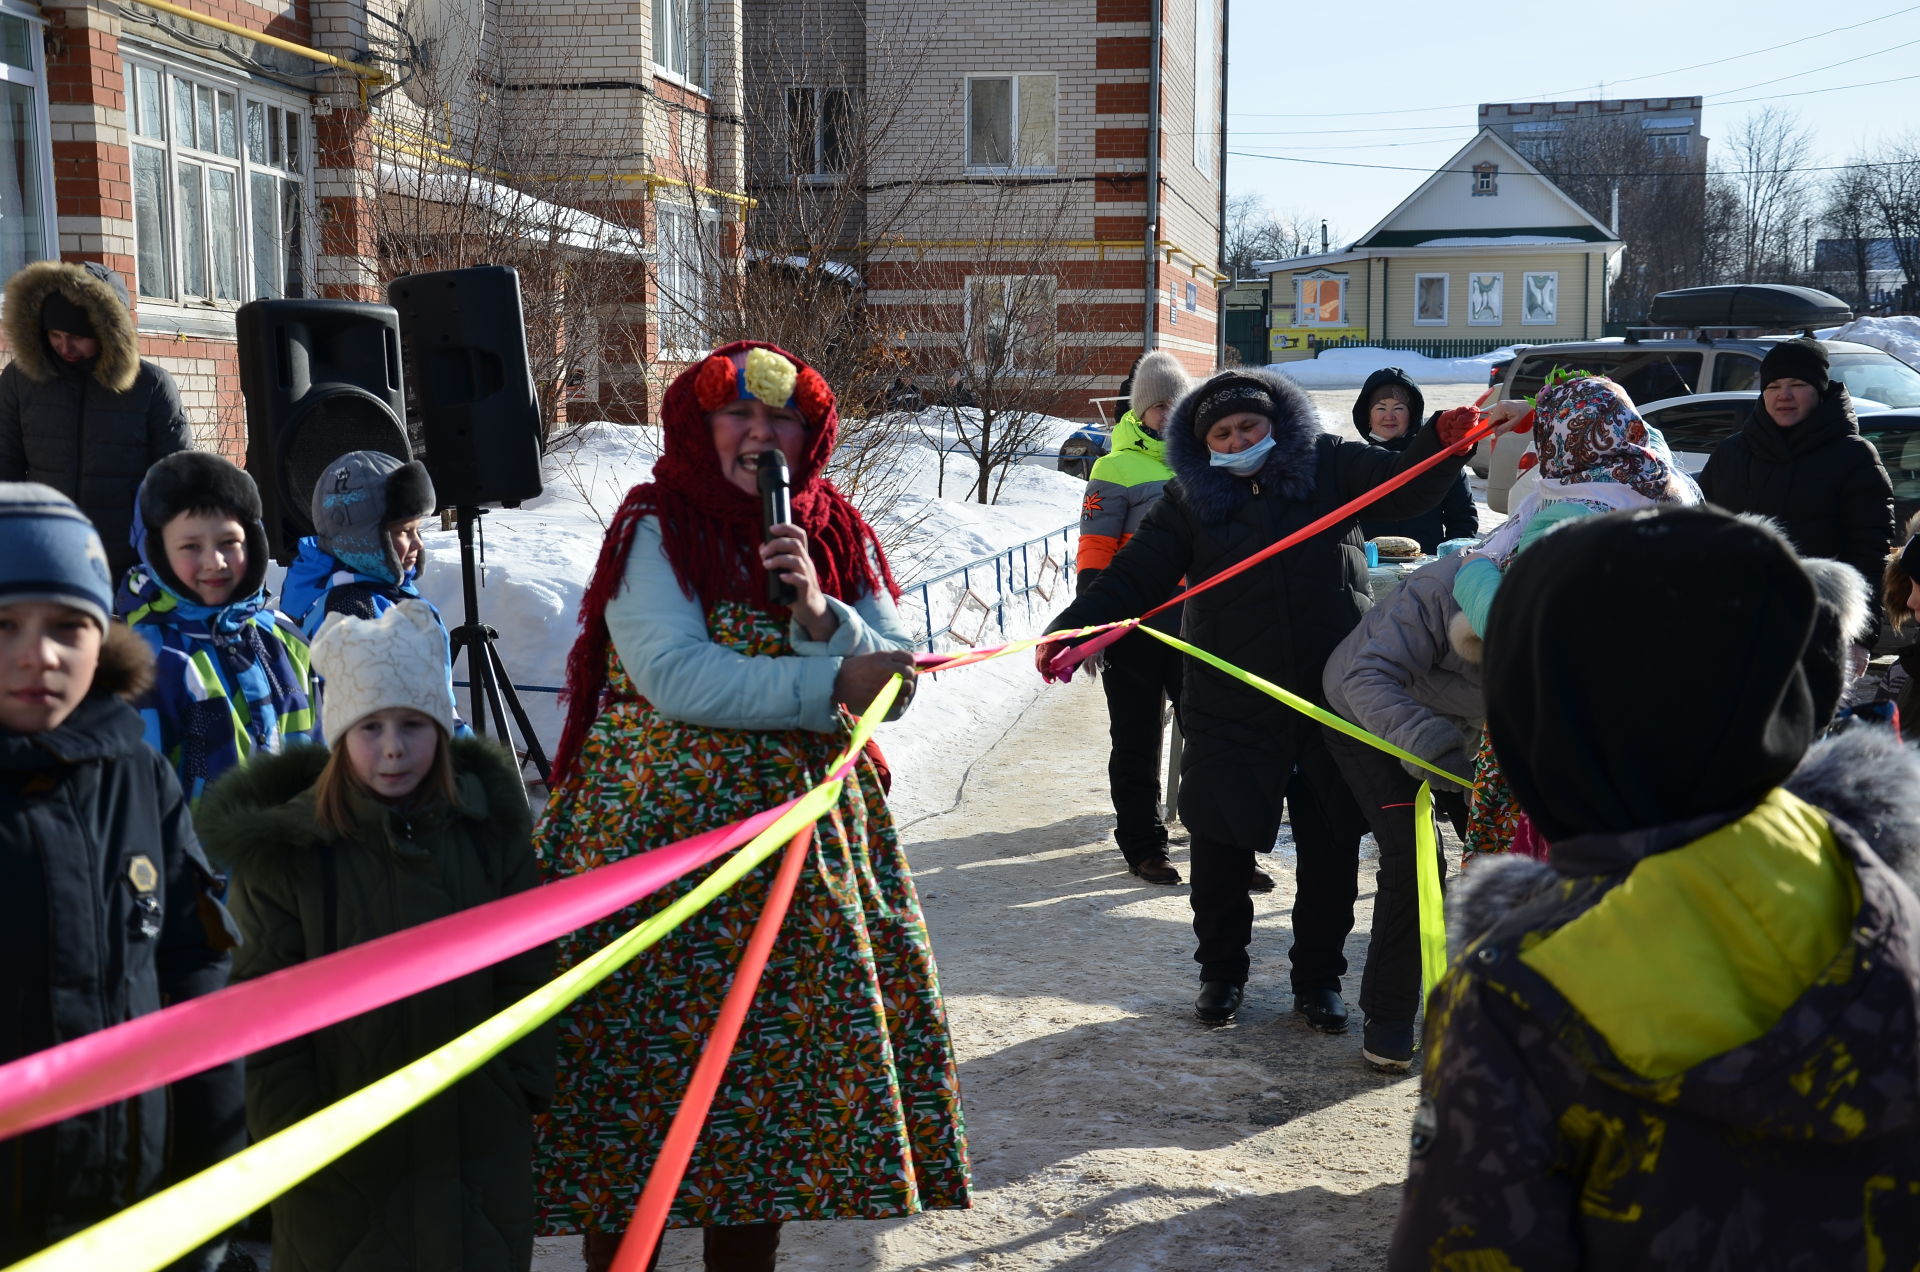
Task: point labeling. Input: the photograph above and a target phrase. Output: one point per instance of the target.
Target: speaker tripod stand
(491, 688)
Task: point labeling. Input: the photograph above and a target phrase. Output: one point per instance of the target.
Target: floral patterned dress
(842, 1099)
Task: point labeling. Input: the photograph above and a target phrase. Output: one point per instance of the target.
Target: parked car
(1718, 378)
(1482, 455)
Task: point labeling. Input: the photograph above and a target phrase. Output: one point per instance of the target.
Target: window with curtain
(1012, 323)
(1011, 122)
(219, 189)
(680, 39)
(26, 192)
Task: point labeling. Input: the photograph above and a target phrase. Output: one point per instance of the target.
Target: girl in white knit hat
(397, 824)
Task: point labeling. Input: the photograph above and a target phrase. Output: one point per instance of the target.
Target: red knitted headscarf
(711, 528)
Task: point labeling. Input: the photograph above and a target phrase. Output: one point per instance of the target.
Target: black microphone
(776, 509)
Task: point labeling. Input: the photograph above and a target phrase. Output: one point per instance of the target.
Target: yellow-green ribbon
(1427, 868)
(153, 1233)
(1426, 854)
(1301, 705)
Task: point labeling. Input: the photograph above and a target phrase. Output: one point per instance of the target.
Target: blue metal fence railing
(1017, 575)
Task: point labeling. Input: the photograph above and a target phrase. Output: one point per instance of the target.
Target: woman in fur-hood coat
(1279, 620)
(90, 428)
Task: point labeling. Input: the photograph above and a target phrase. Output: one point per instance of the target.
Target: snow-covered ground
(538, 558)
(1349, 368)
(1898, 336)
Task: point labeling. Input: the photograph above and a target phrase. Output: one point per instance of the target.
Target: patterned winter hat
(370, 664)
(1231, 393)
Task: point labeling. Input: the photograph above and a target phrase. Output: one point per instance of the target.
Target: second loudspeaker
(469, 383)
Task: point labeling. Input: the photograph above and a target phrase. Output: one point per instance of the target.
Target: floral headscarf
(1596, 450)
(1587, 432)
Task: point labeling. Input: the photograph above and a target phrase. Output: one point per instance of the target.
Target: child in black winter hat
(111, 910)
(1687, 1040)
(234, 678)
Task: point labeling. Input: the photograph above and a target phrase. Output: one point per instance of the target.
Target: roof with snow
(462, 187)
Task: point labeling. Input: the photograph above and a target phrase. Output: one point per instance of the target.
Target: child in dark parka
(110, 910)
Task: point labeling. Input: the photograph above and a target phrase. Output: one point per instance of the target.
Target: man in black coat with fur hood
(79, 410)
(1279, 620)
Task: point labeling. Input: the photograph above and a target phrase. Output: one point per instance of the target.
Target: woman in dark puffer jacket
(1251, 465)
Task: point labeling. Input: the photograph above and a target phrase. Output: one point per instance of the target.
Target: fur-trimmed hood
(95, 289)
(126, 664)
(1214, 494)
(255, 816)
(1865, 777)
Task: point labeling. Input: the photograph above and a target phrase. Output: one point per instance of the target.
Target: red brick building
(216, 151)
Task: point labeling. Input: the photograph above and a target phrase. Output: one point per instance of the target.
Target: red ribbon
(1066, 659)
(656, 1199)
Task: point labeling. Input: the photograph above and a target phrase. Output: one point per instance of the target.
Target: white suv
(1657, 370)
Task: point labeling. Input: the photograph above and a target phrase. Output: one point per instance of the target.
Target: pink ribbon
(165, 1046)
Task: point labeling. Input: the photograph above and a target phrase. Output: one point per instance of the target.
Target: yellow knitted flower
(770, 377)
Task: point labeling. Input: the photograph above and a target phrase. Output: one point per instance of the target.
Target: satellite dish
(446, 36)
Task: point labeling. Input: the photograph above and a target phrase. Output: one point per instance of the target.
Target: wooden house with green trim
(1487, 252)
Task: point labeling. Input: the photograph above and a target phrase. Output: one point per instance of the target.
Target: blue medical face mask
(1247, 462)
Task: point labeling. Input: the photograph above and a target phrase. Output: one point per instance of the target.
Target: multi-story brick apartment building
(1031, 189)
(217, 151)
(1537, 130)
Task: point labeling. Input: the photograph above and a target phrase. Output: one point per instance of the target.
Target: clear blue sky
(1299, 79)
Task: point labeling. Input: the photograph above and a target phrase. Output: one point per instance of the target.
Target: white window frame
(818, 94)
(1012, 363)
(681, 312)
(1486, 180)
(1527, 277)
(1014, 166)
(1670, 145)
(666, 39)
(1446, 300)
(1300, 308)
(1500, 295)
(35, 78)
(245, 93)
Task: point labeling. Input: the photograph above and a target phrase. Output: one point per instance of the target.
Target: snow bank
(1898, 336)
(538, 558)
(1349, 368)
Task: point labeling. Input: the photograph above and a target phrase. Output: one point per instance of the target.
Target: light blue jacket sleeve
(662, 638)
(1479, 579)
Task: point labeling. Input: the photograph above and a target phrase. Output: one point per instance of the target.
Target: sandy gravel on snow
(1109, 1129)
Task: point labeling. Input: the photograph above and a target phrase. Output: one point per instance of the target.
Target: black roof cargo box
(1748, 305)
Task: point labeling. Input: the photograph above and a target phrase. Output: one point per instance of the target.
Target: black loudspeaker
(466, 351)
(321, 378)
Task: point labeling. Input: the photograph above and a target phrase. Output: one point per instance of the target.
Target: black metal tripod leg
(535, 751)
(464, 638)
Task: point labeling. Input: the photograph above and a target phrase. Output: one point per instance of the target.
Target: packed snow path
(1110, 1130)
